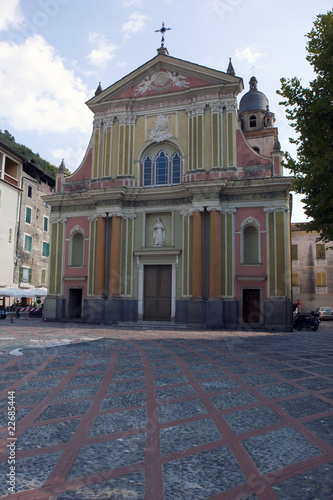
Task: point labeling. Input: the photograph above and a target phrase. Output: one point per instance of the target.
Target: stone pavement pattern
(174, 415)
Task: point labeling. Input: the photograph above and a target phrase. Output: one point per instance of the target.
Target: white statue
(159, 233)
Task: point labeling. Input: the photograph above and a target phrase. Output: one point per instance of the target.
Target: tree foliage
(9, 140)
(310, 111)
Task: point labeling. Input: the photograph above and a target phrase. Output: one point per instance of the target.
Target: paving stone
(126, 401)
(108, 455)
(261, 378)
(126, 386)
(120, 421)
(315, 484)
(180, 410)
(202, 475)
(219, 385)
(322, 369)
(279, 390)
(209, 374)
(233, 399)
(77, 392)
(323, 427)
(40, 384)
(128, 375)
(293, 374)
(166, 370)
(62, 410)
(47, 435)
(316, 384)
(304, 406)
(20, 413)
(27, 398)
(184, 436)
(253, 418)
(174, 392)
(177, 379)
(129, 487)
(277, 449)
(31, 472)
(87, 379)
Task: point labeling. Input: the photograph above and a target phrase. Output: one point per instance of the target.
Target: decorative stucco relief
(161, 81)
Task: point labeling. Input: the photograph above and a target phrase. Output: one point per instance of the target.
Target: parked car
(325, 313)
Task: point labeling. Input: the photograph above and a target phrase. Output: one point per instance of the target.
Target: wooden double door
(157, 292)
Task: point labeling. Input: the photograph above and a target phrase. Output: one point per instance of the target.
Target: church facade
(179, 211)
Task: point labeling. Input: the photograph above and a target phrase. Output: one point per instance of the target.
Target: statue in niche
(159, 233)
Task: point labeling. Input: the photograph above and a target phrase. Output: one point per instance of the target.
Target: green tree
(310, 111)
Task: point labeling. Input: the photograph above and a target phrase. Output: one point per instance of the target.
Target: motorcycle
(309, 321)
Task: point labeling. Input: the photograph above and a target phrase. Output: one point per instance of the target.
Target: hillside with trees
(9, 140)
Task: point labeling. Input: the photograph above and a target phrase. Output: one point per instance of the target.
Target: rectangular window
(27, 242)
(321, 279)
(28, 215)
(25, 275)
(29, 191)
(46, 223)
(43, 277)
(46, 249)
(10, 235)
(320, 251)
(294, 252)
(294, 279)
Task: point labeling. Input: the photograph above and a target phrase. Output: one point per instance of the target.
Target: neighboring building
(10, 194)
(312, 269)
(179, 210)
(24, 217)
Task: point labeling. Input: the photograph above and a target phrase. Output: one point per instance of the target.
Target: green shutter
(30, 242)
(21, 275)
(43, 276)
(30, 275)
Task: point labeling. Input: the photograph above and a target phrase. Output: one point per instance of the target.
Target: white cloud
(11, 14)
(104, 50)
(135, 24)
(38, 92)
(131, 3)
(247, 54)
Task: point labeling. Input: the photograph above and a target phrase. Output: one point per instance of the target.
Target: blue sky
(53, 54)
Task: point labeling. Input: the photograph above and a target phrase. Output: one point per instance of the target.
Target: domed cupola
(256, 120)
(253, 100)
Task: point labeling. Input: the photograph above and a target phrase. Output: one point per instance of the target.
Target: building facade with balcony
(176, 213)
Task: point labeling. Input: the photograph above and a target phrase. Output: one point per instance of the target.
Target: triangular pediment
(164, 75)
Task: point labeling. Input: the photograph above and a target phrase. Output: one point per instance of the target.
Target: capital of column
(196, 109)
(127, 119)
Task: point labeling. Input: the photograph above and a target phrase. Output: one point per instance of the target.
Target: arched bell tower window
(253, 121)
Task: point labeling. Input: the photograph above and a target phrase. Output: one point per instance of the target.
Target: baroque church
(179, 211)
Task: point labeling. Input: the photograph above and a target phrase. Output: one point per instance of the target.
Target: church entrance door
(75, 303)
(157, 293)
(251, 305)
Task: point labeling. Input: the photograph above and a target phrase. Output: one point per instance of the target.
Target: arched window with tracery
(147, 171)
(176, 169)
(161, 167)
